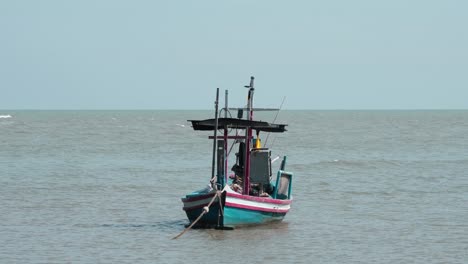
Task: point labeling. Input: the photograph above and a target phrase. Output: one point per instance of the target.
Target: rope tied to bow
(205, 210)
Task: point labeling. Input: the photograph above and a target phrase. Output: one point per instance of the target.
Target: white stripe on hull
(241, 203)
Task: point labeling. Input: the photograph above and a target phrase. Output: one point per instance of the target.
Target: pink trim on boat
(255, 208)
(259, 199)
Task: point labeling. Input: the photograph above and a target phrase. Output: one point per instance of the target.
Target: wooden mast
(225, 138)
(248, 137)
(213, 163)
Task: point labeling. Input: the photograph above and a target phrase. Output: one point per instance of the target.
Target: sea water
(105, 187)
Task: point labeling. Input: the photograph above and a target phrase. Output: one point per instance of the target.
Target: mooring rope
(206, 209)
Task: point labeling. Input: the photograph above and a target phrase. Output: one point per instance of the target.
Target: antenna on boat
(276, 116)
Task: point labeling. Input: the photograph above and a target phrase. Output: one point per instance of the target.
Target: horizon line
(295, 109)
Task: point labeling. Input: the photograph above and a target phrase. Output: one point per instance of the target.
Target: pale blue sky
(108, 54)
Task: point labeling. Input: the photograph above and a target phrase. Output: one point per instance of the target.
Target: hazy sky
(109, 54)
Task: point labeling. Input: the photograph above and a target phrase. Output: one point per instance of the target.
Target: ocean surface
(105, 187)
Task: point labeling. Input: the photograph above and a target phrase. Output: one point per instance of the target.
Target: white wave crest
(5, 116)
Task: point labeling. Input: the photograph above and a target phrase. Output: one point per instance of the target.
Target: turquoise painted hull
(234, 217)
(238, 217)
(231, 216)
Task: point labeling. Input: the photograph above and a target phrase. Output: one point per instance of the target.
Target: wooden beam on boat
(228, 137)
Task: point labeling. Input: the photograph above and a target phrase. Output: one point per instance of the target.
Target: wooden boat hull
(194, 204)
(233, 209)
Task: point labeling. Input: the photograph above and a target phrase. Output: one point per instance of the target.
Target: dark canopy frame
(209, 124)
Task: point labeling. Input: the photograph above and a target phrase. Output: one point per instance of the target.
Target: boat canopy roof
(209, 124)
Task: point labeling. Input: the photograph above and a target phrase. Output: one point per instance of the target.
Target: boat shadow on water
(257, 232)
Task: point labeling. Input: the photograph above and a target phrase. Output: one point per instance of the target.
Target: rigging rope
(268, 135)
(206, 209)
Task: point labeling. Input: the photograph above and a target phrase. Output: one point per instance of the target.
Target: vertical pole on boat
(248, 136)
(213, 163)
(251, 97)
(283, 164)
(225, 137)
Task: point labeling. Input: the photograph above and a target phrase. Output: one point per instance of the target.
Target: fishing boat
(250, 194)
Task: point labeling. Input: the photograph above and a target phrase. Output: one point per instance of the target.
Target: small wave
(5, 116)
(162, 225)
(359, 162)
